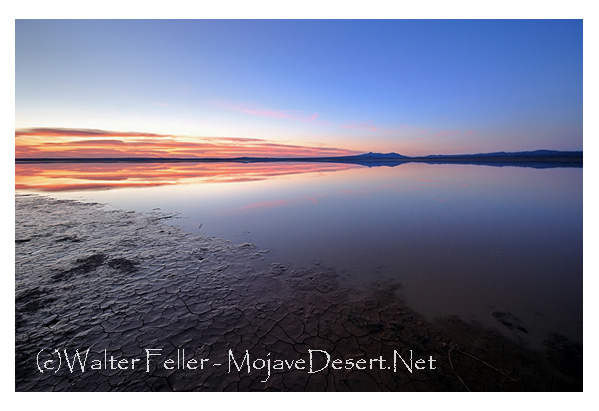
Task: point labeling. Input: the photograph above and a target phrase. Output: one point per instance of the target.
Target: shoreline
(565, 160)
(118, 283)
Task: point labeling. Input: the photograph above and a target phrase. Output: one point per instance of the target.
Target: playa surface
(150, 307)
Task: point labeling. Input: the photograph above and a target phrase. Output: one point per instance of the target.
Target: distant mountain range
(538, 159)
(544, 154)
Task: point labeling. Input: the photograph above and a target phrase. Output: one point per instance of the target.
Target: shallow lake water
(500, 246)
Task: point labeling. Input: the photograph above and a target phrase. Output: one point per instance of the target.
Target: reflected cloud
(82, 176)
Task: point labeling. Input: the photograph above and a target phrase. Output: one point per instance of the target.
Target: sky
(226, 88)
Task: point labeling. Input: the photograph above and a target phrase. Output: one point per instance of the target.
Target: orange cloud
(80, 132)
(87, 143)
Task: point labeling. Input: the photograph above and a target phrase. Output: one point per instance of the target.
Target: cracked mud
(120, 282)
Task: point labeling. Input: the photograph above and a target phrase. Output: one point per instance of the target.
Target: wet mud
(149, 307)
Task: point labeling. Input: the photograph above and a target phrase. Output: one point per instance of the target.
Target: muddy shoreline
(115, 284)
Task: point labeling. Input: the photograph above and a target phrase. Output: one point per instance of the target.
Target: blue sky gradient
(410, 86)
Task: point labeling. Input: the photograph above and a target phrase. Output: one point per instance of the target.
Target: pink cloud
(60, 142)
(79, 132)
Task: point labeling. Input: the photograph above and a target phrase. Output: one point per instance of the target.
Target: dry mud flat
(151, 308)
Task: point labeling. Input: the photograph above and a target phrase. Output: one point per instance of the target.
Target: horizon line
(536, 156)
(497, 153)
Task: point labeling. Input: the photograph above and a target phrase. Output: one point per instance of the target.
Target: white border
(306, 9)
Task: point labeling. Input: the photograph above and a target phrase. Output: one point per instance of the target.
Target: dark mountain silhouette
(537, 159)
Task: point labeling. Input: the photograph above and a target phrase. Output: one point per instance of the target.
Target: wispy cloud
(79, 132)
(63, 142)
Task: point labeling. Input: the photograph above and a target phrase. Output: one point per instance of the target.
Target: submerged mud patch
(204, 314)
(123, 264)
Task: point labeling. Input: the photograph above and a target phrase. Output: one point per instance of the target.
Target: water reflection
(82, 176)
(464, 240)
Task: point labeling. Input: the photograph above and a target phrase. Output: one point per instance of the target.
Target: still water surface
(461, 240)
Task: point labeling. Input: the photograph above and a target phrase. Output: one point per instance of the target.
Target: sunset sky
(218, 88)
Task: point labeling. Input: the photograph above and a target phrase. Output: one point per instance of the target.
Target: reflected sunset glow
(69, 177)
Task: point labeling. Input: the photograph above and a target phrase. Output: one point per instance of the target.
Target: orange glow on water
(78, 176)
